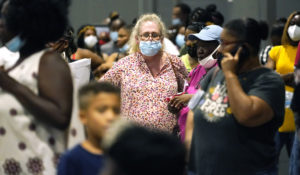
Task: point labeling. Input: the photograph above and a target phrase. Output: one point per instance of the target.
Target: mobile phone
(244, 54)
(168, 99)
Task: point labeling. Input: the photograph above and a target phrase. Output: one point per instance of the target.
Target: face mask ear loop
(216, 49)
(213, 52)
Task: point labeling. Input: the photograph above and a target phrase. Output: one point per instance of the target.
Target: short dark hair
(37, 21)
(200, 15)
(89, 90)
(185, 9)
(196, 26)
(278, 27)
(248, 30)
(138, 150)
(128, 28)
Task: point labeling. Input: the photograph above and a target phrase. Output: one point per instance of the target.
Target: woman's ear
(137, 39)
(162, 40)
(247, 50)
(83, 116)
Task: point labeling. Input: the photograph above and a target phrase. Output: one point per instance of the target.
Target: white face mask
(209, 61)
(294, 32)
(90, 41)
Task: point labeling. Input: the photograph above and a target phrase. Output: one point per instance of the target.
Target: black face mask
(192, 51)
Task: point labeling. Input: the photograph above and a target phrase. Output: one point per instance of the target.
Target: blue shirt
(79, 161)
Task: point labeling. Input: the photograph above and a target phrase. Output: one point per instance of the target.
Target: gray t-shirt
(221, 145)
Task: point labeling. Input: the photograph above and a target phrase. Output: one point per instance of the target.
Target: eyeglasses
(225, 43)
(147, 35)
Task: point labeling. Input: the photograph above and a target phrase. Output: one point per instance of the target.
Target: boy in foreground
(99, 106)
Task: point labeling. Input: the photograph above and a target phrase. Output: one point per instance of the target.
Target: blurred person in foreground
(134, 150)
(36, 92)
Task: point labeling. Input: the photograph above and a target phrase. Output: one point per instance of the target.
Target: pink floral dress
(142, 95)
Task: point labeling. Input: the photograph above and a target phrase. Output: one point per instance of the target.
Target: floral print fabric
(144, 95)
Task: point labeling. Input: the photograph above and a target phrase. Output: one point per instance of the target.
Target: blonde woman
(148, 76)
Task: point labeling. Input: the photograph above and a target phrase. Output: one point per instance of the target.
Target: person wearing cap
(207, 40)
(240, 106)
(189, 50)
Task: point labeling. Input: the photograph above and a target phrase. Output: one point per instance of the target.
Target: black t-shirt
(221, 145)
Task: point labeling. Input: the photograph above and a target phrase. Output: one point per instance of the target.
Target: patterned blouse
(144, 96)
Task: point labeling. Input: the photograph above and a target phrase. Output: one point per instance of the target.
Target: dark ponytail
(216, 17)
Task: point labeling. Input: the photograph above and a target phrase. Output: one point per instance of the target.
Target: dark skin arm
(108, 64)
(270, 64)
(103, 68)
(258, 111)
(53, 104)
(287, 78)
(180, 100)
(96, 60)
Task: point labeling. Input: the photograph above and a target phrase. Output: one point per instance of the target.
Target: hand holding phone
(230, 61)
(242, 55)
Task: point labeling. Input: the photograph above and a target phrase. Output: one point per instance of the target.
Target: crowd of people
(197, 97)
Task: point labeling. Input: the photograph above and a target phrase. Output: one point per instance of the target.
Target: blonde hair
(134, 47)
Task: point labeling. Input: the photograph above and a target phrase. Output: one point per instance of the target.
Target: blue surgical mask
(180, 40)
(176, 21)
(113, 36)
(150, 48)
(124, 49)
(15, 44)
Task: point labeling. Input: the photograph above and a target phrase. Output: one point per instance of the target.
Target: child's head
(99, 106)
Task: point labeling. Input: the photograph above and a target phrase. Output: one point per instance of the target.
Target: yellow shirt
(284, 58)
(186, 62)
